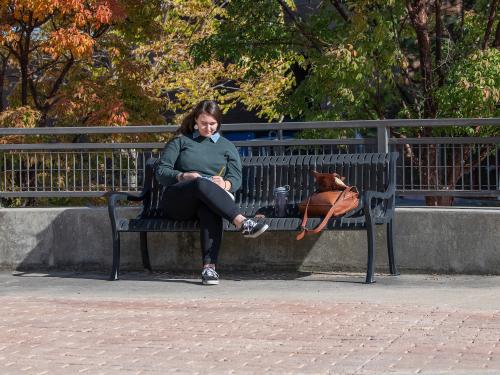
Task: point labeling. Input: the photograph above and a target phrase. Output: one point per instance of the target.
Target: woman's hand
(219, 181)
(186, 176)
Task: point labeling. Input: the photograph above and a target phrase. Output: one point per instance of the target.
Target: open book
(230, 194)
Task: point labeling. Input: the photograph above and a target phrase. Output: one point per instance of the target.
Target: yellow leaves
(347, 94)
(465, 84)
(11, 37)
(341, 52)
(30, 11)
(291, 4)
(265, 91)
(114, 52)
(404, 62)
(495, 94)
(486, 93)
(351, 50)
(80, 20)
(21, 117)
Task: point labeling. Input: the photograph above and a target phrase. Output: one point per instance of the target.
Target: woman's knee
(203, 184)
(204, 188)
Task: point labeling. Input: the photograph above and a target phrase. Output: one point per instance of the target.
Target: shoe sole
(210, 282)
(258, 233)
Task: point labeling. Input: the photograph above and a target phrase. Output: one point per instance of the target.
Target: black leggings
(203, 200)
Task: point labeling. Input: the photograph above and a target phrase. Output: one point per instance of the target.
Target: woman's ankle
(238, 221)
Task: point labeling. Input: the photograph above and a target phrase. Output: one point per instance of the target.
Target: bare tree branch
(100, 31)
(489, 25)
(316, 44)
(34, 93)
(13, 51)
(341, 9)
(60, 79)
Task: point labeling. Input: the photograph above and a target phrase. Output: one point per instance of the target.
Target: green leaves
(472, 90)
(472, 87)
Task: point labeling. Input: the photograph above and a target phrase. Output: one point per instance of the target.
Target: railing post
(383, 139)
(280, 138)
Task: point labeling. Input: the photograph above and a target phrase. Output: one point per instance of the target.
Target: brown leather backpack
(332, 199)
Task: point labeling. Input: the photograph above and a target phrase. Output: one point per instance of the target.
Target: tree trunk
(489, 25)
(496, 42)
(43, 122)
(24, 80)
(417, 12)
(341, 9)
(419, 18)
(439, 38)
(23, 64)
(3, 71)
(439, 201)
(430, 177)
(465, 163)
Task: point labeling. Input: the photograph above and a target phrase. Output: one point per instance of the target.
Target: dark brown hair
(209, 107)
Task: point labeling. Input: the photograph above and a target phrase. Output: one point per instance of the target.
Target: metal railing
(456, 166)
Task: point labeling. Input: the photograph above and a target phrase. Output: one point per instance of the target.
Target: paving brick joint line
(242, 336)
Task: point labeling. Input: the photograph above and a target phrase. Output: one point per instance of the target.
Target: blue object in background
(239, 136)
(256, 136)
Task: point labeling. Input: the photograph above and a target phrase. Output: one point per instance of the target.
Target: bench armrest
(387, 196)
(114, 198)
(370, 194)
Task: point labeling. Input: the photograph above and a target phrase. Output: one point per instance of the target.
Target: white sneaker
(253, 229)
(209, 276)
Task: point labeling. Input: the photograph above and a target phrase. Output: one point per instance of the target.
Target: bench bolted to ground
(374, 175)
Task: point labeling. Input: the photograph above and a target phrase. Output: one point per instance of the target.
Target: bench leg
(144, 251)
(370, 231)
(115, 269)
(390, 249)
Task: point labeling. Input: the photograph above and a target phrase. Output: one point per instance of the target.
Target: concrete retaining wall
(426, 240)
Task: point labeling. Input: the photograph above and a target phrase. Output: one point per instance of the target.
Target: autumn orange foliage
(47, 39)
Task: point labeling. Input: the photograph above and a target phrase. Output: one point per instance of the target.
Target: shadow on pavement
(194, 277)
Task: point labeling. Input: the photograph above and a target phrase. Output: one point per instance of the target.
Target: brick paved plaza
(278, 324)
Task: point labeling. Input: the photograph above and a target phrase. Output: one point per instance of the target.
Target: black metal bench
(373, 174)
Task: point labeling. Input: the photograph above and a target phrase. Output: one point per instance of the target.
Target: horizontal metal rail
(258, 126)
(159, 145)
(252, 143)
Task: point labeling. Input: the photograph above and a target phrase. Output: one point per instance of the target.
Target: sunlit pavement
(69, 323)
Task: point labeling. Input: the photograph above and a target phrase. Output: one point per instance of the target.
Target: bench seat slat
(275, 224)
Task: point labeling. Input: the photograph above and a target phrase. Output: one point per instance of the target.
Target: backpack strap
(304, 222)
